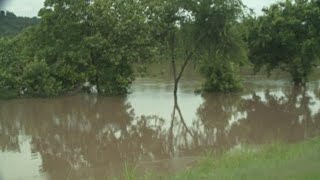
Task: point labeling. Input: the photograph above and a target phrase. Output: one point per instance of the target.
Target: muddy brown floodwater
(90, 137)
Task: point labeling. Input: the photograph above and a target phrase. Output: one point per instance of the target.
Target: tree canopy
(287, 37)
(204, 32)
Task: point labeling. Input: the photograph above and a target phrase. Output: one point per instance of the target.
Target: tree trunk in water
(176, 76)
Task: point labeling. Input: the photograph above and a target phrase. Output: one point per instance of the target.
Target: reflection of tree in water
(83, 136)
(215, 115)
(230, 120)
(78, 134)
(180, 138)
(286, 117)
(93, 136)
(9, 130)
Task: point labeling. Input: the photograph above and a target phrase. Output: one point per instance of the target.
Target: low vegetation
(272, 161)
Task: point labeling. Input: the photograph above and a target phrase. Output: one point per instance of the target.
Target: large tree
(203, 31)
(82, 42)
(287, 37)
(221, 48)
(119, 38)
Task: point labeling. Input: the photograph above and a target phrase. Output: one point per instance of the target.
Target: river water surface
(90, 137)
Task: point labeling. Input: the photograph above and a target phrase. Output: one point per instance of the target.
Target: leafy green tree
(59, 41)
(223, 49)
(98, 42)
(203, 31)
(11, 66)
(287, 37)
(120, 37)
(169, 32)
(20, 75)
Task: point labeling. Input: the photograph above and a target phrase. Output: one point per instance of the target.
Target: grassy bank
(273, 161)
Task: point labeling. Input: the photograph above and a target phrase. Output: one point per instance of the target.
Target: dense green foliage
(287, 37)
(10, 24)
(94, 45)
(223, 48)
(79, 43)
(204, 32)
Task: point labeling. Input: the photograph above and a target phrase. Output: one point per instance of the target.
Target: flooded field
(90, 137)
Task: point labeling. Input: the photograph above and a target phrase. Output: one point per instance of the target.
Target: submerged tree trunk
(299, 81)
(299, 78)
(174, 68)
(94, 58)
(177, 77)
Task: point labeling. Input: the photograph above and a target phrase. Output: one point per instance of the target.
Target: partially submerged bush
(221, 78)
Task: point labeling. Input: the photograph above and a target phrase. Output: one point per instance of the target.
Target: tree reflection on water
(88, 136)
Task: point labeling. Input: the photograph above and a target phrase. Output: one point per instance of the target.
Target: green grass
(274, 161)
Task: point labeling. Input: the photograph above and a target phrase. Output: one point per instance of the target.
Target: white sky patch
(28, 8)
(257, 5)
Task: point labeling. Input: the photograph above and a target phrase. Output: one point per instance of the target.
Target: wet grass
(273, 161)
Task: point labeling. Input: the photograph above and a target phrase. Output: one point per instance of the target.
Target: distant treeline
(10, 24)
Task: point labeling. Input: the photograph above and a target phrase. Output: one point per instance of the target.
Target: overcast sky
(30, 8)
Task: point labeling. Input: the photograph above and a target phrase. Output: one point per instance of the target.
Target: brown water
(89, 137)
